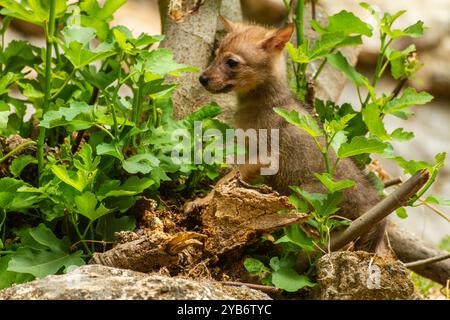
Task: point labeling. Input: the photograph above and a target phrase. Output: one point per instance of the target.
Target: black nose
(203, 80)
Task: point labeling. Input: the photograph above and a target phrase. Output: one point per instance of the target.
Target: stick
(385, 207)
(392, 182)
(428, 261)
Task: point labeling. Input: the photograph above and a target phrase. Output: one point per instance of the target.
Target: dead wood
(148, 252)
(232, 218)
(236, 216)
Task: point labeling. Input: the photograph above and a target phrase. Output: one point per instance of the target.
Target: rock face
(362, 276)
(94, 282)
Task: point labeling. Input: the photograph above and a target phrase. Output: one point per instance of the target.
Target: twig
(392, 182)
(428, 261)
(385, 207)
(436, 210)
(313, 9)
(262, 288)
(290, 18)
(398, 88)
(12, 152)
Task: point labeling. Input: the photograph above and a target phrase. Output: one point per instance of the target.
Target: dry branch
(428, 261)
(395, 200)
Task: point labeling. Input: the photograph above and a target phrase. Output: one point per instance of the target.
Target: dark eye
(232, 63)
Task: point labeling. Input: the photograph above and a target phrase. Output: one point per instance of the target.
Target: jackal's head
(248, 56)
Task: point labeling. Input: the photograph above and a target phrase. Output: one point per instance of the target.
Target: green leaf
(332, 41)
(409, 98)
(7, 80)
(108, 225)
(208, 111)
(294, 234)
(323, 204)
(7, 278)
(338, 61)
(88, 206)
(112, 149)
(85, 161)
(5, 112)
(416, 30)
(345, 22)
(305, 122)
(255, 266)
(361, 145)
(78, 116)
(43, 263)
(132, 186)
(19, 54)
(300, 54)
(20, 163)
(401, 135)
(331, 185)
(299, 204)
(401, 213)
(140, 163)
(289, 280)
(33, 11)
(339, 139)
(78, 182)
(411, 166)
(374, 121)
(159, 62)
(99, 17)
(437, 200)
(401, 64)
(78, 34)
(80, 56)
(42, 253)
(12, 199)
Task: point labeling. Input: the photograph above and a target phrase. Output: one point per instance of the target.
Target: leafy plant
(104, 127)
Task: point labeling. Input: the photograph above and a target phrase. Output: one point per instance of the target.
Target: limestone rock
(362, 276)
(95, 282)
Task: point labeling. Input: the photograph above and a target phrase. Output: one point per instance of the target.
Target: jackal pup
(251, 62)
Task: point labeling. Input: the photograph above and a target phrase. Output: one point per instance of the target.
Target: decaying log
(232, 218)
(236, 216)
(148, 252)
(410, 248)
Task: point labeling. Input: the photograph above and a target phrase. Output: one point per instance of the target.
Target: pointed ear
(279, 40)
(228, 24)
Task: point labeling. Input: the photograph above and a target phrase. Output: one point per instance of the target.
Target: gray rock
(95, 282)
(362, 276)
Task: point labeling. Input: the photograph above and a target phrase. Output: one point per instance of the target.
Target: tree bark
(190, 30)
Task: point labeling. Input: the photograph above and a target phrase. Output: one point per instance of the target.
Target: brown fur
(261, 83)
